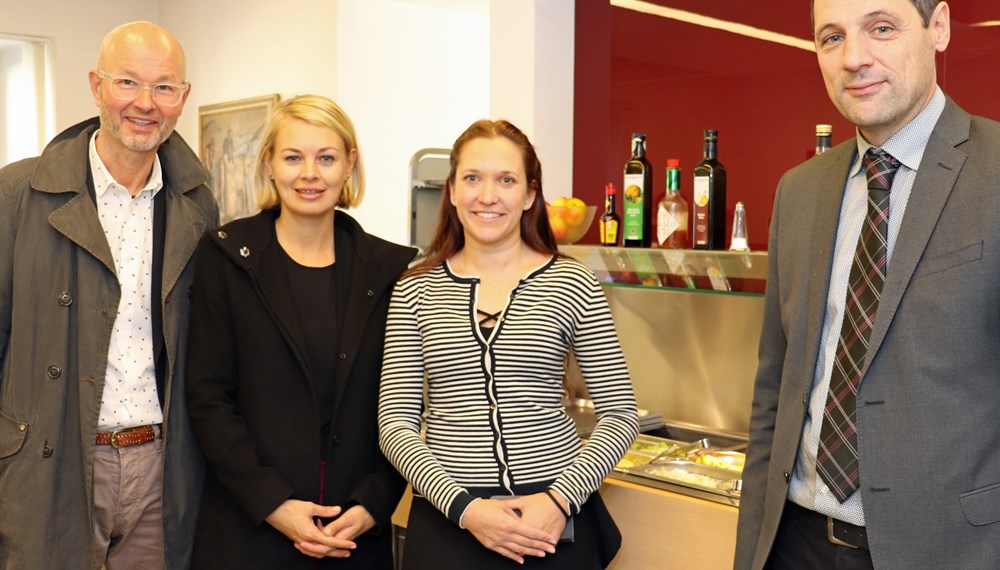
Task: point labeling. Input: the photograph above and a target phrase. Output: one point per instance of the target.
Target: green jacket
(58, 300)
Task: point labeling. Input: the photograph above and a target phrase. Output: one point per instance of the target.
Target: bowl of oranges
(569, 219)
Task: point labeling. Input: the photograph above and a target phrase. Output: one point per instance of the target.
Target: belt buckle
(834, 539)
(116, 445)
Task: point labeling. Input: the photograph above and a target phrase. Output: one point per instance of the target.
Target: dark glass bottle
(637, 197)
(710, 197)
(823, 136)
(610, 222)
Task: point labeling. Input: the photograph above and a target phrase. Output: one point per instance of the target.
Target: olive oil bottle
(637, 196)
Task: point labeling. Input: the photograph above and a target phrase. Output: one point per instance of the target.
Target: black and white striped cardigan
(495, 417)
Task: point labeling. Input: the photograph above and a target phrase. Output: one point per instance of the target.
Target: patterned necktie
(837, 459)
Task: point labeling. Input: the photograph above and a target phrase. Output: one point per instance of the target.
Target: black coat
(253, 403)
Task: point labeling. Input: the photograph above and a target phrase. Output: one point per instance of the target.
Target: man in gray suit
(875, 428)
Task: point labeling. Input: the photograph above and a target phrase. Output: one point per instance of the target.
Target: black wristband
(558, 504)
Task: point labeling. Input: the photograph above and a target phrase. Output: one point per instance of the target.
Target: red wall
(672, 80)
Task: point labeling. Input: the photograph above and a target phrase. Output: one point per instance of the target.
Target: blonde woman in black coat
(287, 325)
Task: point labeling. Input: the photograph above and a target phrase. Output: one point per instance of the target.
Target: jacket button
(343, 355)
(336, 439)
(371, 293)
(22, 427)
(65, 299)
(190, 291)
(54, 372)
(47, 449)
(222, 234)
(785, 473)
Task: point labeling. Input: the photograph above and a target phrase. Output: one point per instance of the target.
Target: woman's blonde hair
(315, 110)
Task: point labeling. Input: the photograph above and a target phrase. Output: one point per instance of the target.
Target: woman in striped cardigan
(488, 318)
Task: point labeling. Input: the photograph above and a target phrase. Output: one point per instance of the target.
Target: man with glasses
(97, 463)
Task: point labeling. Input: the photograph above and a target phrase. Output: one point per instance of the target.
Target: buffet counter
(662, 529)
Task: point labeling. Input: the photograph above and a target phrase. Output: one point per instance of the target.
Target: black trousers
(802, 542)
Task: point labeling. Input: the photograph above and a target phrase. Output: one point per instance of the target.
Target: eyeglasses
(125, 88)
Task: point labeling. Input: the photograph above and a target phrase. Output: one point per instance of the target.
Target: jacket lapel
(185, 224)
(821, 245)
(276, 295)
(79, 222)
(362, 287)
(939, 170)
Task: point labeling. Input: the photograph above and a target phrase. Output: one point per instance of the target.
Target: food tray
(729, 460)
(653, 446)
(646, 447)
(694, 475)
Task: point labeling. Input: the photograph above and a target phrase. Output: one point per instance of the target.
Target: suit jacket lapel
(821, 244)
(936, 177)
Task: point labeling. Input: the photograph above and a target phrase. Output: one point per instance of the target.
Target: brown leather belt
(126, 437)
(837, 532)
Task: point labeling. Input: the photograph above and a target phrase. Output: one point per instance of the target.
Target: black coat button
(54, 372)
(47, 449)
(65, 299)
(336, 439)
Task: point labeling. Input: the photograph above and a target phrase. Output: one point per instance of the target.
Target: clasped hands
(297, 520)
(497, 526)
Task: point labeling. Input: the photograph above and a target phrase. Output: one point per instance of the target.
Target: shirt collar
(908, 144)
(103, 181)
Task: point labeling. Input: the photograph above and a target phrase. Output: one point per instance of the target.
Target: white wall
(531, 80)
(76, 29)
(410, 74)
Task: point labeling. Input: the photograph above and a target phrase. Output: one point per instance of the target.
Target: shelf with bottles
(703, 271)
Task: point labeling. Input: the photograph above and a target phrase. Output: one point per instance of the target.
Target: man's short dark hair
(924, 7)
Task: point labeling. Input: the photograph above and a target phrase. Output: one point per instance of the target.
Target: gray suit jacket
(929, 401)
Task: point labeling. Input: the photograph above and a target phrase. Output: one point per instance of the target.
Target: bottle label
(702, 195)
(666, 224)
(609, 232)
(633, 195)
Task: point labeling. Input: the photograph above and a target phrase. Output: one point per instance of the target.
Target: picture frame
(229, 135)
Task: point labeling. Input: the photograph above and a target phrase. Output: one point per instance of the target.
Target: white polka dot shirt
(129, 397)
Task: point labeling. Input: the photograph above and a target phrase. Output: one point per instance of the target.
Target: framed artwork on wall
(229, 134)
